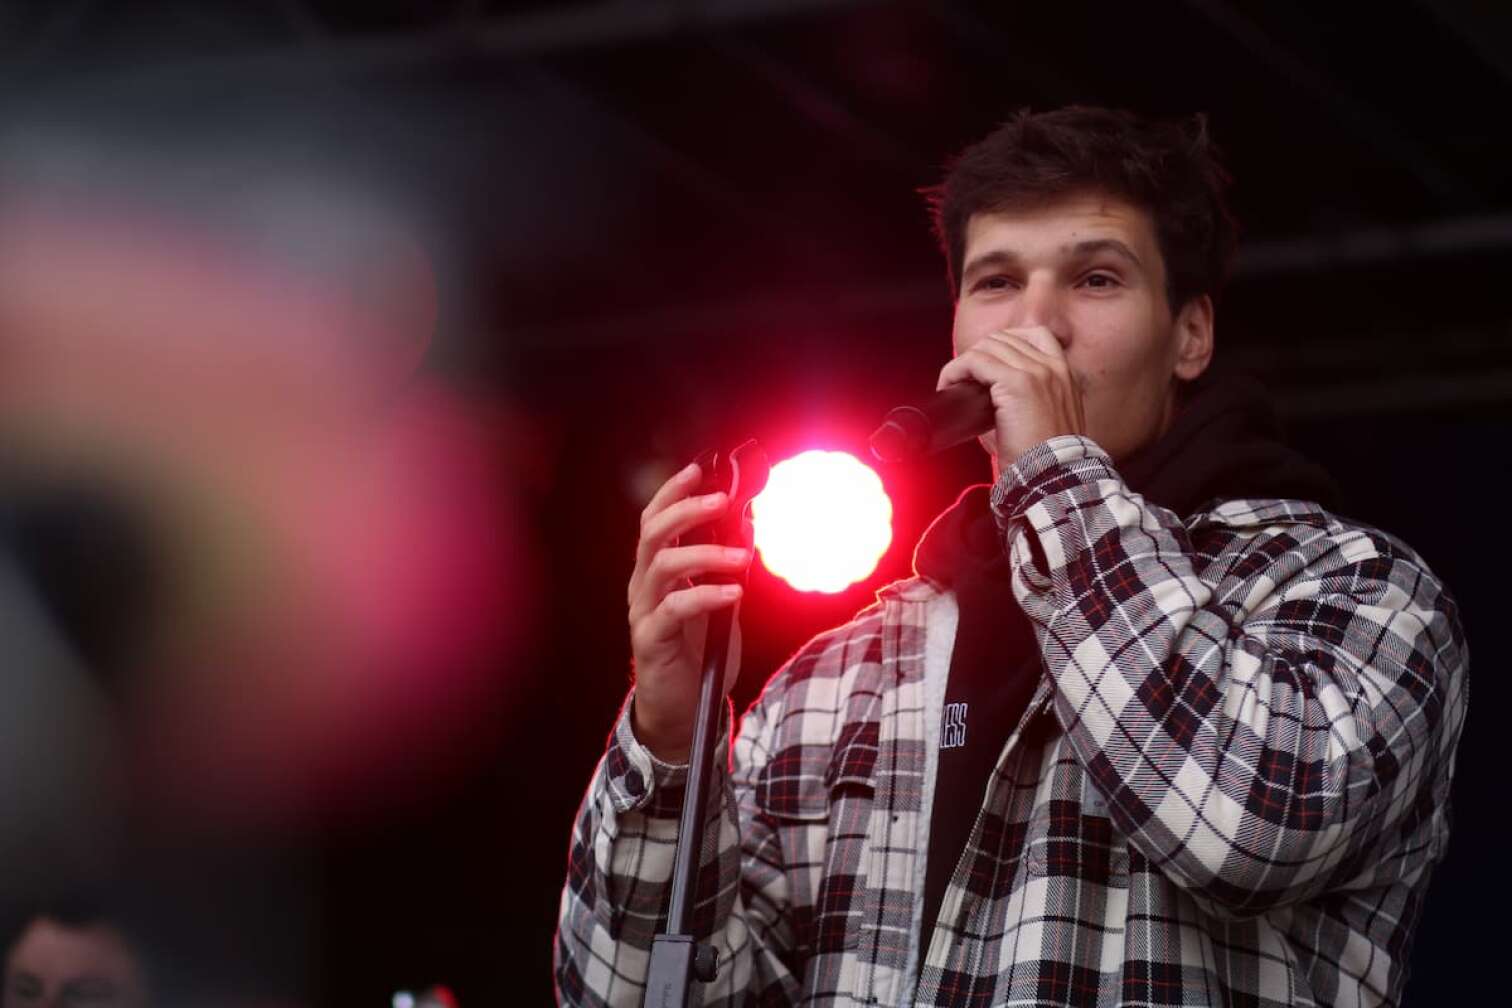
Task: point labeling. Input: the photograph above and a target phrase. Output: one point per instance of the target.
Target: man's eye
(996, 282)
(91, 992)
(1100, 280)
(26, 988)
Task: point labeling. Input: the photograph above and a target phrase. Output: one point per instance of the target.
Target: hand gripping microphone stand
(676, 959)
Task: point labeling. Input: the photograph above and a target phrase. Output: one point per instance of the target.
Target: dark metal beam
(1484, 28)
(615, 22)
(1360, 117)
(822, 108)
(1382, 395)
(558, 29)
(1451, 236)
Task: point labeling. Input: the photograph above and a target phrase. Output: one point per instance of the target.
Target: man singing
(1152, 724)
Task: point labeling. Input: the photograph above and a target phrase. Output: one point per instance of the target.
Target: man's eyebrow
(1095, 245)
(996, 258)
(1002, 258)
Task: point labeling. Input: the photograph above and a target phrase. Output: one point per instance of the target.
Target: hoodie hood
(1225, 443)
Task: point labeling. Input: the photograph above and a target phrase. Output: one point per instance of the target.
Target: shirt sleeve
(619, 878)
(1271, 715)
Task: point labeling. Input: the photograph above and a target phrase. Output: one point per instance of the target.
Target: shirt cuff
(637, 781)
(1049, 467)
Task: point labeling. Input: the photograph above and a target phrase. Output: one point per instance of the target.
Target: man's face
(72, 967)
(1087, 267)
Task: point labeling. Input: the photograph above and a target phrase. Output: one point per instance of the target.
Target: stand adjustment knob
(706, 963)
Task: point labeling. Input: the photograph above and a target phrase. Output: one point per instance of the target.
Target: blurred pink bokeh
(344, 572)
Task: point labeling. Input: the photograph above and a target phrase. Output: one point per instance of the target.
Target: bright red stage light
(823, 521)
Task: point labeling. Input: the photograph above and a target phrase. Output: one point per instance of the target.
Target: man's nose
(1042, 305)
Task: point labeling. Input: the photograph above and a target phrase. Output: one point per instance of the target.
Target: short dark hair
(75, 909)
(1169, 169)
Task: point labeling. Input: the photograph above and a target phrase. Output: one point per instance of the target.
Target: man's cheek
(961, 340)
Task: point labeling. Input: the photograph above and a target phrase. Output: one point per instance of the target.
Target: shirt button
(635, 783)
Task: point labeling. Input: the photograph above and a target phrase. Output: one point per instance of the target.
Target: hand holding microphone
(1016, 381)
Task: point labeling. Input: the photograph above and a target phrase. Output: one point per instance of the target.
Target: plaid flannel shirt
(1230, 787)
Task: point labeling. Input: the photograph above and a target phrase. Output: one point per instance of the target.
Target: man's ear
(1194, 338)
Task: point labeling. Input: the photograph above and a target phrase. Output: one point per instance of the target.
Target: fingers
(1032, 344)
(661, 529)
(664, 623)
(1006, 355)
(672, 566)
(991, 363)
(679, 486)
(1039, 339)
(1017, 351)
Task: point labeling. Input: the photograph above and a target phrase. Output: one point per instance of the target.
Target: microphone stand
(677, 958)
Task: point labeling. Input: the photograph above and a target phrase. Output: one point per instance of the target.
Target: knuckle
(642, 645)
(1016, 378)
(679, 605)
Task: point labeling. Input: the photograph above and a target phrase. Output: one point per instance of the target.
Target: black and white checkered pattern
(1230, 787)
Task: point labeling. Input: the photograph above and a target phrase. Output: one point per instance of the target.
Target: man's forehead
(53, 947)
(1063, 223)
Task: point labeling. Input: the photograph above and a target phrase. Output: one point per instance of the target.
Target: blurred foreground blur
(252, 562)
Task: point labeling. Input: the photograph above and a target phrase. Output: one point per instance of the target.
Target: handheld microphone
(952, 415)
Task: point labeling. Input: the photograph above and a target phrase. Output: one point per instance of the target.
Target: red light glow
(822, 522)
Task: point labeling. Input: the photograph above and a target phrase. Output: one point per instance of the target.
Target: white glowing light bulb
(822, 522)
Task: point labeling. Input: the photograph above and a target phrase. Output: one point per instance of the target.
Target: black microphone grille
(904, 434)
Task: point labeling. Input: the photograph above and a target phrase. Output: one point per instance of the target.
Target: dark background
(670, 224)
